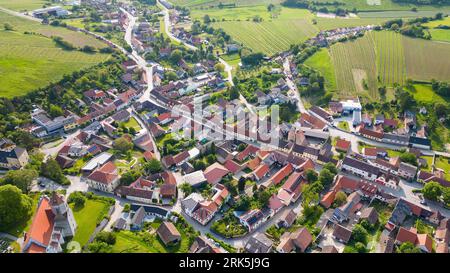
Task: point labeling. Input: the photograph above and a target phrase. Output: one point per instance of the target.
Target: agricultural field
(23, 4)
(442, 35)
(198, 4)
(377, 5)
(398, 14)
(30, 61)
(385, 58)
(436, 23)
(322, 61)
(76, 38)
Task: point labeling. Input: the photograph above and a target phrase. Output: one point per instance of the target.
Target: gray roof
(258, 243)
(138, 217)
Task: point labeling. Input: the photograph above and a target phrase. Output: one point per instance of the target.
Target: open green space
(424, 93)
(322, 62)
(443, 163)
(132, 123)
(442, 35)
(31, 61)
(87, 218)
(23, 4)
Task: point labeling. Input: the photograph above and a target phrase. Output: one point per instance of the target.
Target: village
(334, 179)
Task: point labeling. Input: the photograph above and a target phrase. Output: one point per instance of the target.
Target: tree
(234, 94)
(8, 27)
(99, 247)
(55, 111)
(241, 184)
(206, 19)
(20, 178)
(186, 188)
(176, 56)
(129, 177)
(360, 247)
(340, 199)
(263, 197)
(359, 234)
(53, 171)
(311, 176)
(243, 204)
(15, 207)
(153, 166)
(432, 191)
(326, 177)
(219, 67)
(106, 237)
(171, 76)
(446, 196)
(407, 247)
(123, 144)
(331, 167)
(409, 158)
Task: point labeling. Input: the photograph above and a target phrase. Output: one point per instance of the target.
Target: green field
(322, 61)
(442, 35)
(444, 164)
(31, 61)
(196, 4)
(87, 218)
(436, 23)
(23, 4)
(380, 5)
(386, 58)
(424, 94)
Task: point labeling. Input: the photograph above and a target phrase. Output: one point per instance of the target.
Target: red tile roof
(261, 171)
(105, 174)
(282, 173)
(249, 150)
(425, 241)
(215, 172)
(41, 228)
(342, 145)
(233, 166)
(405, 235)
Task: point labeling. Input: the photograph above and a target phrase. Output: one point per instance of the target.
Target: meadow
(199, 4)
(31, 61)
(381, 5)
(322, 61)
(423, 93)
(23, 4)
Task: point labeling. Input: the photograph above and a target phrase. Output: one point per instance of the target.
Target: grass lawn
(132, 123)
(87, 218)
(322, 62)
(425, 94)
(444, 164)
(436, 23)
(344, 126)
(144, 242)
(429, 160)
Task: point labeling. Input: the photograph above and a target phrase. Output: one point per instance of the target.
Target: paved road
(52, 151)
(292, 86)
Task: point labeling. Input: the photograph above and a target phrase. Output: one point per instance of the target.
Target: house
(329, 249)
(138, 219)
(344, 212)
(258, 243)
(343, 145)
(423, 241)
(252, 219)
(367, 119)
(233, 166)
(261, 171)
(105, 178)
(52, 222)
(202, 244)
(407, 171)
(11, 156)
(374, 135)
(291, 189)
(373, 152)
(298, 240)
(320, 113)
(286, 219)
(250, 150)
(152, 211)
(370, 215)
(420, 143)
(142, 190)
(215, 172)
(360, 168)
(279, 176)
(341, 233)
(168, 233)
(195, 179)
(379, 119)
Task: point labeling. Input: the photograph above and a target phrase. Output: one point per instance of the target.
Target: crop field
(387, 58)
(322, 62)
(327, 23)
(399, 14)
(28, 62)
(369, 5)
(76, 38)
(426, 60)
(23, 4)
(269, 37)
(390, 56)
(355, 67)
(207, 3)
(433, 24)
(442, 35)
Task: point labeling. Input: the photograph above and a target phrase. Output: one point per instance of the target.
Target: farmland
(23, 4)
(377, 5)
(30, 61)
(206, 3)
(442, 35)
(385, 58)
